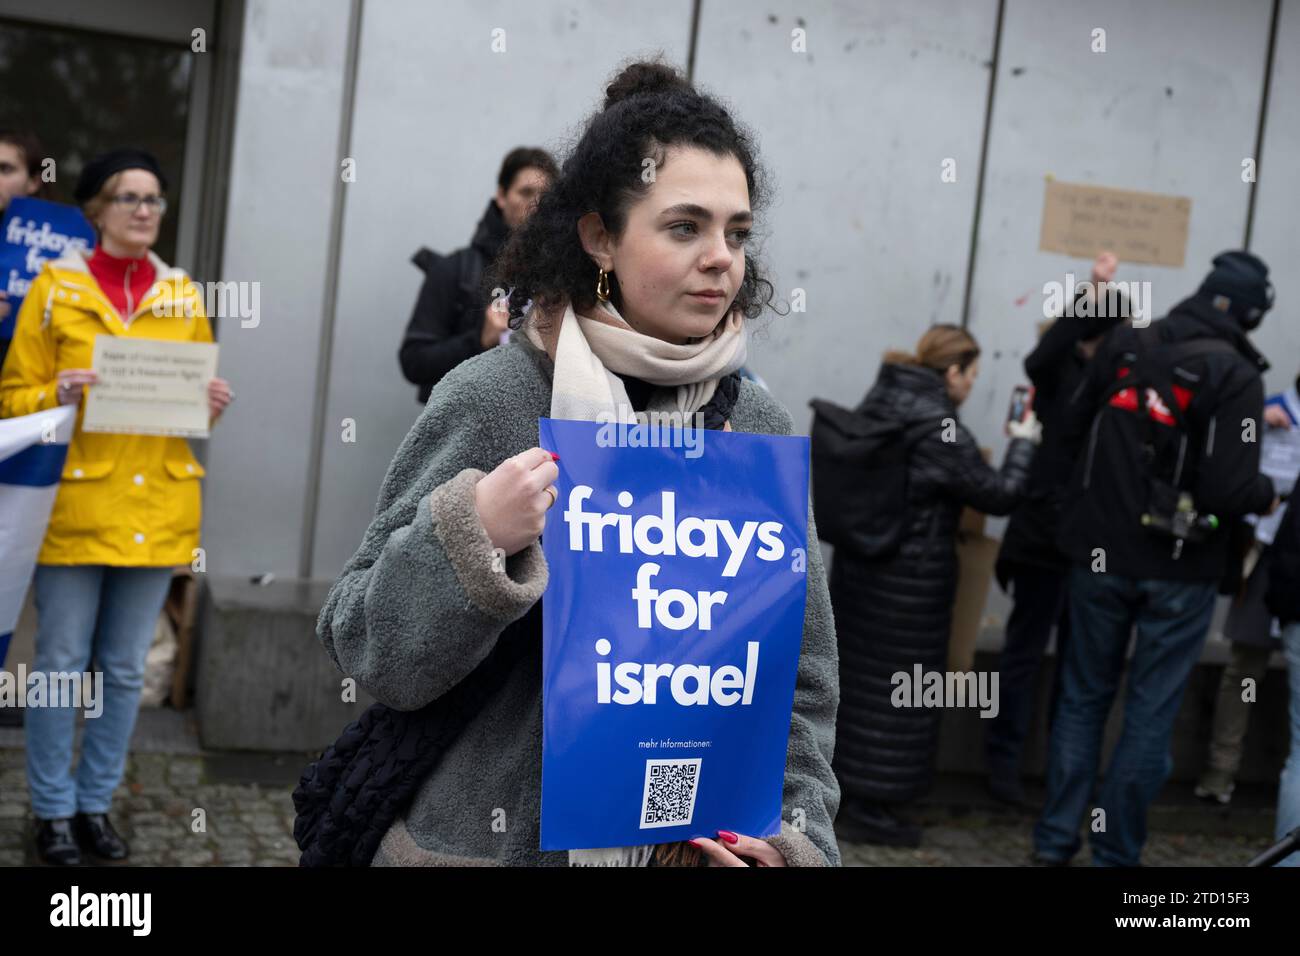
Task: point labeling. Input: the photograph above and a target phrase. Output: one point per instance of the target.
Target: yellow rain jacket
(125, 500)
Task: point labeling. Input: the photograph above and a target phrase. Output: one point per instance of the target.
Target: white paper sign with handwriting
(150, 387)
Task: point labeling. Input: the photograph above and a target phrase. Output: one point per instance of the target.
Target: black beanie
(95, 172)
(1242, 278)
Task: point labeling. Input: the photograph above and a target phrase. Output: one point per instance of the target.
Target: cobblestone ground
(992, 839)
(153, 809)
(251, 824)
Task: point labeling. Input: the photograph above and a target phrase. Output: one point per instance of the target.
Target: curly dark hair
(649, 106)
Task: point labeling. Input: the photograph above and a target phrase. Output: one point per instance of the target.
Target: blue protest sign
(34, 230)
(673, 621)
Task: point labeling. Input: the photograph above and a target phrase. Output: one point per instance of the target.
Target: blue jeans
(1172, 619)
(1288, 792)
(83, 610)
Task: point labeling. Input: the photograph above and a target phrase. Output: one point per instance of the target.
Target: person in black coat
(1030, 567)
(1165, 466)
(1283, 599)
(895, 612)
(1249, 629)
(453, 319)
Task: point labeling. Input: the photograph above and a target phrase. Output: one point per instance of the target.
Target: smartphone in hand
(1022, 403)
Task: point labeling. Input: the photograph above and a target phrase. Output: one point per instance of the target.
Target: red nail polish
(694, 843)
(728, 836)
(554, 456)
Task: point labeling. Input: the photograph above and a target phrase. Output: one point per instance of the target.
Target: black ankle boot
(96, 834)
(862, 822)
(56, 844)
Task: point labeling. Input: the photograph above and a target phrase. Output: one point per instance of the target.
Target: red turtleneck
(124, 281)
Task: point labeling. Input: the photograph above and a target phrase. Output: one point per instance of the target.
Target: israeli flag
(32, 452)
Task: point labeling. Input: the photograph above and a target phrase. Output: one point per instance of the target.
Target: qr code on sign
(669, 798)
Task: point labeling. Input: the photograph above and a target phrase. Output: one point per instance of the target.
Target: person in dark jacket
(1180, 449)
(453, 317)
(1283, 599)
(21, 156)
(1030, 567)
(1249, 627)
(895, 612)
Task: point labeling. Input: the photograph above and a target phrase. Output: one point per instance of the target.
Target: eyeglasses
(132, 202)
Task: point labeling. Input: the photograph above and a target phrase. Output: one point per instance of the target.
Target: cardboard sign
(34, 230)
(673, 622)
(1080, 221)
(977, 557)
(150, 387)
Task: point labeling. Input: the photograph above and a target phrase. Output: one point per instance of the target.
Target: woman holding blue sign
(128, 506)
(641, 287)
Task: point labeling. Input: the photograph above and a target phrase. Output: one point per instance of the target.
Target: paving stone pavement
(191, 808)
(993, 839)
(964, 826)
(170, 815)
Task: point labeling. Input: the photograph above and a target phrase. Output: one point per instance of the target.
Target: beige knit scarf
(587, 350)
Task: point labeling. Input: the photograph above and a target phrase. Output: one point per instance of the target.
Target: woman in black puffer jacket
(894, 612)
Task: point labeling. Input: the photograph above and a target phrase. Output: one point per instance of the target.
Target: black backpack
(859, 478)
(1150, 366)
(468, 272)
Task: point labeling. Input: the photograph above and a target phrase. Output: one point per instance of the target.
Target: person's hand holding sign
(219, 396)
(513, 499)
(1104, 266)
(1275, 416)
(732, 849)
(70, 382)
(1103, 271)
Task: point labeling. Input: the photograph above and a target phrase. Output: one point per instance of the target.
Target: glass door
(83, 93)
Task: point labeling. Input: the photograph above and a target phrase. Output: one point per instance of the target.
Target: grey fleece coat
(419, 606)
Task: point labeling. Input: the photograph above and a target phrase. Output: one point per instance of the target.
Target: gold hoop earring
(602, 287)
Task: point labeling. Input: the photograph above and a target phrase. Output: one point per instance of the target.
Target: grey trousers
(1231, 713)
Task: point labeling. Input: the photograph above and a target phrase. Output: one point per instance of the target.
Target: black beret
(95, 172)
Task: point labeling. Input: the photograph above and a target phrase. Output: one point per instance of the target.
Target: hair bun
(644, 77)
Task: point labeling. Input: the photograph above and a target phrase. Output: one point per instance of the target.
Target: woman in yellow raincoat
(128, 506)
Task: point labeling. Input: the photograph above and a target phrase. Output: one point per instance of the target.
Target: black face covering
(1252, 318)
(1251, 314)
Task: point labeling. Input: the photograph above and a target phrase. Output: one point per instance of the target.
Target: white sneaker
(1223, 797)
